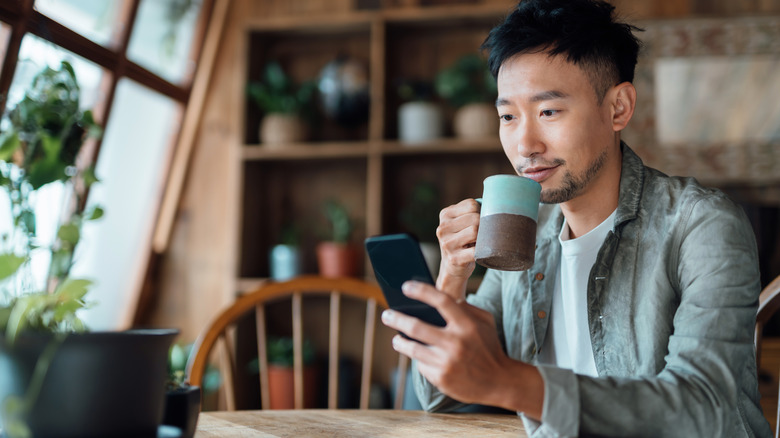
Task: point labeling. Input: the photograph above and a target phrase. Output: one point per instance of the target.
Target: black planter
(182, 407)
(98, 384)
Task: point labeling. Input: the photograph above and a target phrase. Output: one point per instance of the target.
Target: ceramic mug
(506, 239)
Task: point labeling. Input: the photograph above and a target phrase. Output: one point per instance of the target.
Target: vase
(476, 121)
(97, 384)
(285, 262)
(280, 129)
(419, 122)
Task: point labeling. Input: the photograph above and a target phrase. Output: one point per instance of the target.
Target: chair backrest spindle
(262, 357)
(368, 353)
(297, 319)
(333, 349)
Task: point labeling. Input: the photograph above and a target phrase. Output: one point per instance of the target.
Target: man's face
(553, 128)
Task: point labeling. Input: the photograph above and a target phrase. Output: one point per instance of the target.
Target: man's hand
(464, 359)
(457, 234)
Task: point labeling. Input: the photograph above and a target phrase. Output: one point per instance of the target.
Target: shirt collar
(632, 179)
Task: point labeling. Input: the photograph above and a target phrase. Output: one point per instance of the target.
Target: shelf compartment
(278, 193)
(303, 54)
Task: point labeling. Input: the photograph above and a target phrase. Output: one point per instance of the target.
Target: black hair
(586, 32)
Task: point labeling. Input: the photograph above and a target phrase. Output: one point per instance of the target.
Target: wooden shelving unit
(365, 167)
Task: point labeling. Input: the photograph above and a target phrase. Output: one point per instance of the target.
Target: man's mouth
(539, 173)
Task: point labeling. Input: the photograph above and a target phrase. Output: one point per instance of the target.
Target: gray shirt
(672, 301)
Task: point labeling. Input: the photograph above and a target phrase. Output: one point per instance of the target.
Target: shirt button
(539, 276)
(541, 314)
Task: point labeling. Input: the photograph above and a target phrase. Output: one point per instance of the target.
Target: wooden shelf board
(443, 146)
(358, 19)
(304, 151)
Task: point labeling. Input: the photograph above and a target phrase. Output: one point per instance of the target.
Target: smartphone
(397, 258)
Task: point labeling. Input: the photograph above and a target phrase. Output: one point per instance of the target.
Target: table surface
(355, 423)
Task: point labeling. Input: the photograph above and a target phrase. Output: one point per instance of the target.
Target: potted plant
(56, 379)
(336, 256)
(284, 104)
(182, 400)
(280, 373)
(420, 119)
(420, 217)
(469, 86)
(285, 256)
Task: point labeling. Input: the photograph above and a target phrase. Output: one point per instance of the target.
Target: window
(134, 60)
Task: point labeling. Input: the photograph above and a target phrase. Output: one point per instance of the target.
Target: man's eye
(506, 117)
(549, 113)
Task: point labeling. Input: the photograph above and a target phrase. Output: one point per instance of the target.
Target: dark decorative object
(344, 91)
(96, 385)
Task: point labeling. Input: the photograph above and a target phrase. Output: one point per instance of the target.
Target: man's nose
(528, 141)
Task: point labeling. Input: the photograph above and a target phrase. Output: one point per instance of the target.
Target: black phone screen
(397, 258)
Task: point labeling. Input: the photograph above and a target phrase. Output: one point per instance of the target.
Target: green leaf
(9, 264)
(95, 213)
(178, 358)
(9, 143)
(73, 289)
(45, 172)
(66, 310)
(27, 219)
(69, 233)
(90, 177)
(17, 321)
(5, 315)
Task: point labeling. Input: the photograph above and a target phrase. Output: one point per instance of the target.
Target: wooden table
(355, 423)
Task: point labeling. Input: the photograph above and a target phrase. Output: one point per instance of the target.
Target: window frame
(22, 18)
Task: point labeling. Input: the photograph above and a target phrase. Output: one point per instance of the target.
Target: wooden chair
(296, 289)
(768, 305)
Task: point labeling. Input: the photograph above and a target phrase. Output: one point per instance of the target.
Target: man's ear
(623, 104)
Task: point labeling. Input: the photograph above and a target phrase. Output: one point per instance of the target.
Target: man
(637, 317)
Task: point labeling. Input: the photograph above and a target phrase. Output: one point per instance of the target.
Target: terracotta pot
(278, 129)
(281, 390)
(476, 120)
(337, 259)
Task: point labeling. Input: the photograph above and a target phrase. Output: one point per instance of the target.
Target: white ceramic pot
(476, 120)
(419, 122)
(285, 262)
(279, 129)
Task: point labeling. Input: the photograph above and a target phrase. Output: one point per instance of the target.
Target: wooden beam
(192, 116)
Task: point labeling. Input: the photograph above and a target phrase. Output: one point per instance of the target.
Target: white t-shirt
(567, 344)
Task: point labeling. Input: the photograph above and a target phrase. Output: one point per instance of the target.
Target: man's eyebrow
(548, 95)
(539, 97)
(501, 101)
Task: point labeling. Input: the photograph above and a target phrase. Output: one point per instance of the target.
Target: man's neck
(592, 207)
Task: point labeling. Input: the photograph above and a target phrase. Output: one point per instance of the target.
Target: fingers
(449, 308)
(457, 234)
(412, 327)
